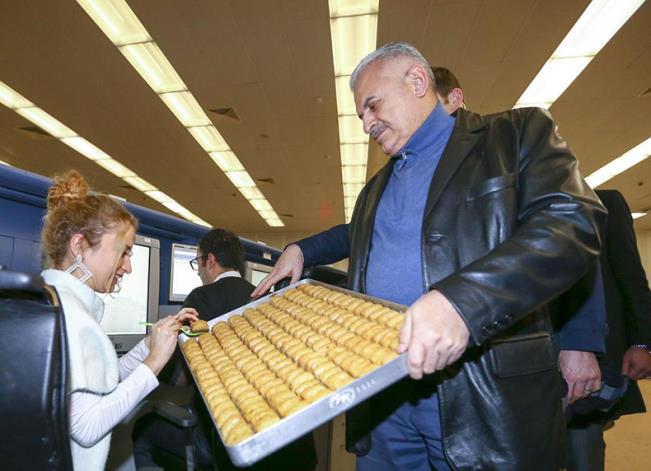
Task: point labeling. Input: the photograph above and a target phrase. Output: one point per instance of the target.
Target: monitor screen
(255, 272)
(137, 300)
(183, 278)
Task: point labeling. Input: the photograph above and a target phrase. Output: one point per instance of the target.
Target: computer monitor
(137, 300)
(183, 278)
(255, 272)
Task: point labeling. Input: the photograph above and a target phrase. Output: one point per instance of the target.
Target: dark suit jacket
(628, 299)
(220, 297)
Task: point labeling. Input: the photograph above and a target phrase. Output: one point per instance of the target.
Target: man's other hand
(433, 333)
(290, 263)
(581, 373)
(637, 363)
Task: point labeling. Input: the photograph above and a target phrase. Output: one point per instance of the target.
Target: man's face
(385, 99)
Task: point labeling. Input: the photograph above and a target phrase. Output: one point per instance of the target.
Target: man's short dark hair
(444, 81)
(225, 246)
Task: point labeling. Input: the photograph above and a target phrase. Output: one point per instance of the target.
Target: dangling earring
(79, 265)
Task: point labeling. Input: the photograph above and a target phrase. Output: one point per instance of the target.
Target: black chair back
(34, 357)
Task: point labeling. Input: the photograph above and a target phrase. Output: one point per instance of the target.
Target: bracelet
(642, 346)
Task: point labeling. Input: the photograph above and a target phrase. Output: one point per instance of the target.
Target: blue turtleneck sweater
(394, 266)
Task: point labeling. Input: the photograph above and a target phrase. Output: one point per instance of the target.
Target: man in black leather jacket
(507, 225)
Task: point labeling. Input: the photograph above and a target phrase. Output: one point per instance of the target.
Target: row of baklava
(286, 353)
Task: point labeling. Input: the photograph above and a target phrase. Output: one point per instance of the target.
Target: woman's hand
(162, 341)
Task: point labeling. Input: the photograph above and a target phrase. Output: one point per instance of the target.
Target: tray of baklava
(277, 368)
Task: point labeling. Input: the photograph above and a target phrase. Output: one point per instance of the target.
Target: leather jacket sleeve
(554, 243)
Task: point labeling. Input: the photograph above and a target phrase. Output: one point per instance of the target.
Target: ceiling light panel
(11, 99)
(353, 31)
(622, 163)
(240, 179)
(209, 138)
(251, 193)
(124, 29)
(186, 108)
(153, 67)
(14, 100)
(85, 148)
(118, 22)
(227, 162)
(139, 184)
(46, 122)
(598, 23)
(637, 215)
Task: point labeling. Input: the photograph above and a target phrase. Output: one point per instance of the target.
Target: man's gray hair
(389, 51)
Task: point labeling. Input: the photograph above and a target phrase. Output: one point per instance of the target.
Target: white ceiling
(271, 60)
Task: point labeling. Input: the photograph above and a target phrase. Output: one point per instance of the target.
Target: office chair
(33, 354)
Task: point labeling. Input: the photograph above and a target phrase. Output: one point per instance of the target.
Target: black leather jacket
(509, 224)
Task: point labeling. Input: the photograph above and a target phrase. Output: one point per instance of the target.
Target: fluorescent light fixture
(227, 161)
(352, 7)
(116, 20)
(251, 193)
(185, 108)
(261, 205)
(201, 222)
(176, 207)
(353, 37)
(637, 215)
(140, 184)
(46, 122)
(115, 167)
(351, 130)
(159, 196)
(5, 163)
(125, 30)
(349, 201)
(12, 99)
(270, 214)
(352, 189)
(353, 174)
(596, 26)
(15, 101)
(598, 23)
(354, 154)
(275, 222)
(152, 65)
(85, 148)
(240, 179)
(209, 138)
(622, 163)
(353, 31)
(345, 98)
(552, 80)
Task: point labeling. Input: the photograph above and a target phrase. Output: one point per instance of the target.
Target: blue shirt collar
(429, 133)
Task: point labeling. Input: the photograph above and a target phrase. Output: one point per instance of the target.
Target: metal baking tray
(307, 419)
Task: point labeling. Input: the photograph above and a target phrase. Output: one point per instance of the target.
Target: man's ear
(419, 79)
(211, 260)
(455, 98)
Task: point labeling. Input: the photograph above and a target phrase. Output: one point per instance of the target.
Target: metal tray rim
(251, 450)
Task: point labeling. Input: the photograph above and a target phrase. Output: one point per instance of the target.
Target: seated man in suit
(219, 264)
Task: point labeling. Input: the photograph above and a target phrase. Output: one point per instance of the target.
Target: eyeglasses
(194, 263)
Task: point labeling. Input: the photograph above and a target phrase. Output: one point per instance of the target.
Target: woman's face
(109, 260)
